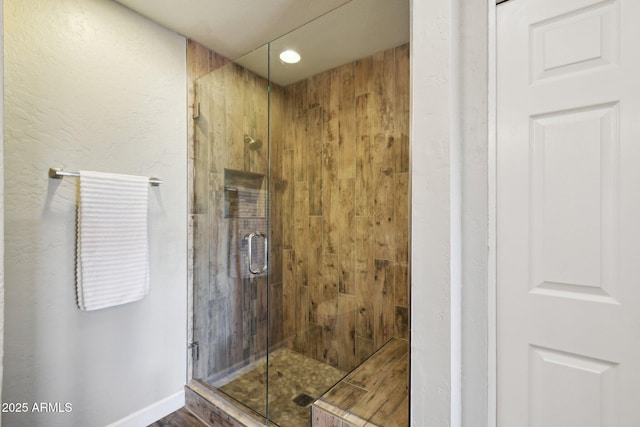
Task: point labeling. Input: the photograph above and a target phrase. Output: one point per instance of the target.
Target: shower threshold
(295, 381)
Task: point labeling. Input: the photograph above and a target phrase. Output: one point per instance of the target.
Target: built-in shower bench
(373, 394)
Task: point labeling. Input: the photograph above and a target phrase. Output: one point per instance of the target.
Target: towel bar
(58, 173)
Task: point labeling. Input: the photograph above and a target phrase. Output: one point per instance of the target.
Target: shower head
(254, 144)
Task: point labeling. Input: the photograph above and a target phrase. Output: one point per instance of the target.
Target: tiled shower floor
(290, 374)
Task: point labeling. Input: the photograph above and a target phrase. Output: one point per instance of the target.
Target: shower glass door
(231, 233)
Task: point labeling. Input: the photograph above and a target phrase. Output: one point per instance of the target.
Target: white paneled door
(568, 213)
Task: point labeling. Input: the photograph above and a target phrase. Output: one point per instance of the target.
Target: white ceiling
(234, 28)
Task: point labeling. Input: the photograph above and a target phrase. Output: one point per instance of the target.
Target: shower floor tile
(290, 374)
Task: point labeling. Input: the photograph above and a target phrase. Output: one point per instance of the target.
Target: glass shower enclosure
(231, 239)
(301, 195)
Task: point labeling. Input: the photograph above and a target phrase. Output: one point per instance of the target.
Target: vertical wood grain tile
(401, 217)
(388, 98)
(301, 342)
(328, 310)
(315, 267)
(275, 238)
(249, 120)
(346, 235)
(383, 203)
(364, 277)
(384, 309)
(331, 104)
(401, 327)
(276, 184)
(218, 336)
(218, 239)
(260, 346)
(363, 76)
(289, 116)
(401, 285)
(289, 296)
(222, 333)
(234, 135)
(364, 170)
(401, 108)
(276, 144)
(314, 344)
(259, 157)
(314, 91)
(258, 320)
(276, 315)
(347, 140)
(314, 162)
(301, 209)
(301, 148)
(330, 198)
(376, 94)
(384, 233)
(241, 320)
(288, 200)
(383, 81)
(300, 104)
(259, 283)
(382, 150)
(346, 328)
(299, 143)
(217, 118)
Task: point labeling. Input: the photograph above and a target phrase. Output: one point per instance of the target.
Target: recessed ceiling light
(290, 56)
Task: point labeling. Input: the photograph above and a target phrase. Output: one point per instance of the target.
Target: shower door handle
(266, 248)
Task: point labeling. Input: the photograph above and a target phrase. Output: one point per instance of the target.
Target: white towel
(112, 258)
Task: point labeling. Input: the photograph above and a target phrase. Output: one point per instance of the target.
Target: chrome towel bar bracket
(58, 173)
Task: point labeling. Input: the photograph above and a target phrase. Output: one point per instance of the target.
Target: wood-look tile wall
(339, 191)
(345, 209)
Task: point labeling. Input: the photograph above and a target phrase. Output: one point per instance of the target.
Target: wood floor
(180, 418)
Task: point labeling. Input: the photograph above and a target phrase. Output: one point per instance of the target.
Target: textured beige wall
(91, 85)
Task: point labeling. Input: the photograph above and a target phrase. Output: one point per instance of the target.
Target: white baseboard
(153, 412)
